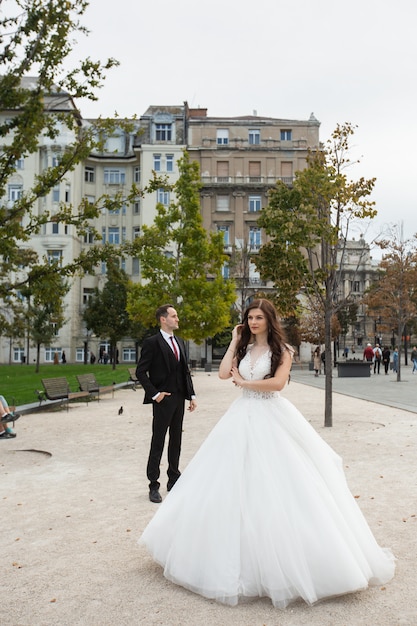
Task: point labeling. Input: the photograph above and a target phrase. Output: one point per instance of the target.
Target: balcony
(246, 180)
(239, 143)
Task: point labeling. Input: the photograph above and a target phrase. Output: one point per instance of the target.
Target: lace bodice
(256, 371)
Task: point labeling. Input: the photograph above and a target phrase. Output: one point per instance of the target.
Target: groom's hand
(161, 396)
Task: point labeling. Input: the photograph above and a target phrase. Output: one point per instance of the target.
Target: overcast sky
(345, 61)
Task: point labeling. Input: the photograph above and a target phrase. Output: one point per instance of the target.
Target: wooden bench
(88, 383)
(58, 389)
(133, 378)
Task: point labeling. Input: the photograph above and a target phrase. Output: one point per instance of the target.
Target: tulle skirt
(263, 509)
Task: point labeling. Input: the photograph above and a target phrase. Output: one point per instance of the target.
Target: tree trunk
(328, 400)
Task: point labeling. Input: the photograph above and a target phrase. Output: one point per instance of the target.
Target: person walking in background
(317, 361)
(368, 355)
(395, 360)
(386, 355)
(377, 358)
(414, 359)
(63, 357)
(263, 508)
(163, 372)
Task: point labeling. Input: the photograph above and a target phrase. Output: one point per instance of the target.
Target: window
(88, 293)
(55, 228)
(136, 232)
(170, 162)
(67, 193)
(89, 174)
(114, 176)
(136, 175)
(222, 203)
(79, 355)
(225, 231)
(286, 135)
(254, 171)
(163, 132)
(157, 162)
(255, 204)
(222, 171)
(50, 353)
(136, 208)
(89, 236)
(135, 266)
(14, 192)
(54, 256)
(356, 286)
(254, 137)
(103, 234)
(18, 355)
(254, 238)
(286, 171)
(20, 163)
(163, 197)
(222, 136)
(129, 354)
(55, 193)
(226, 271)
(55, 328)
(114, 235)
(55, 160)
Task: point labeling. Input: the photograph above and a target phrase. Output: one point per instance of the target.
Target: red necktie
(174, 347)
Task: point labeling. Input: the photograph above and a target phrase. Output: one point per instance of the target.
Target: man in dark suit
(163, 372)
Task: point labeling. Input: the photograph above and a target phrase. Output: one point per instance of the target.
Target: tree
(181, 263)
(39, 39)
(393, 297)
(106, 313)
(45, 312)
(307, 224)
(240, 270)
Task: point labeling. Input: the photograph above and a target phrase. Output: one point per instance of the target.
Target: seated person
(6, 415)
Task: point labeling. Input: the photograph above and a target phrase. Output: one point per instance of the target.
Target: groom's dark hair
(162, 311)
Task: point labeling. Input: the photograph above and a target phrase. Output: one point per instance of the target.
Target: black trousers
(168, 415)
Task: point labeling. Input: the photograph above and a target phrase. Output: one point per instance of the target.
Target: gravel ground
(75, 500)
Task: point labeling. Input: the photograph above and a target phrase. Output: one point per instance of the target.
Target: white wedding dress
(263, 509)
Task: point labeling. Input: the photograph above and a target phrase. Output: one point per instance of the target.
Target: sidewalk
(74, 499)
(380, 388)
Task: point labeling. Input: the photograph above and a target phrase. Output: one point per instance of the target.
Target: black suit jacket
(157, 368)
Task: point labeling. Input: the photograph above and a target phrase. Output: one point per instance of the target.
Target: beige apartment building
(240, 159)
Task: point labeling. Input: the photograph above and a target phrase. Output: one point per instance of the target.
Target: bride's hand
(236, 332)
(236, 377)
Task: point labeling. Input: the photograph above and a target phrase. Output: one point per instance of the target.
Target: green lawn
(18, 383)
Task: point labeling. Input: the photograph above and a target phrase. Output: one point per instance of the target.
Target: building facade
(240, 159)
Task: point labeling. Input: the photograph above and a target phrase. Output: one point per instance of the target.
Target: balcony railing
(264, 144)
(246, 180)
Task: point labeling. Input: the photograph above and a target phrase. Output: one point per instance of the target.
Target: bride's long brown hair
(276, 334)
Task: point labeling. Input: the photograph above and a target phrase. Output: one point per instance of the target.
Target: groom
(163, 372)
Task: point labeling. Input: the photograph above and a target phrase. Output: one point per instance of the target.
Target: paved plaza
(74, 500)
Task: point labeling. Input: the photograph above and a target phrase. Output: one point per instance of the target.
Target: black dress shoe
(155, 496)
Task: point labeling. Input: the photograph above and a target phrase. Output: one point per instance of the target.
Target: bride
(263, 509)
